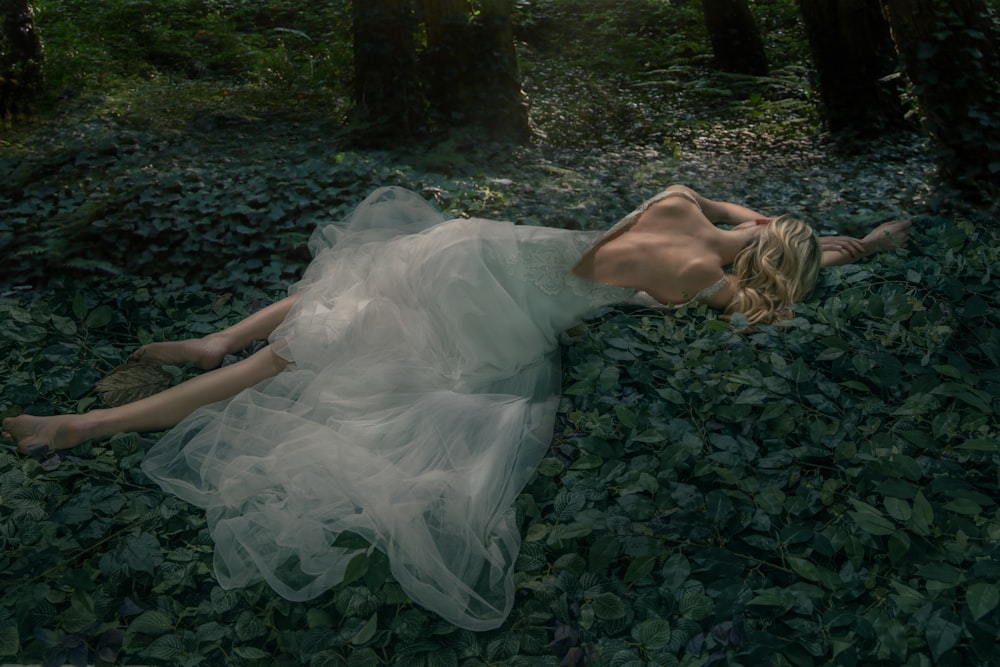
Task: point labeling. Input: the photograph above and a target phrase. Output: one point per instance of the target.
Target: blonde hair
(778, 268)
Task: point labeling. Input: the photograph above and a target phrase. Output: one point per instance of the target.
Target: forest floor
(104, 171)
(819, 490)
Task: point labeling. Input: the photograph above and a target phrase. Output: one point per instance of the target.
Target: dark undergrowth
(823, 492)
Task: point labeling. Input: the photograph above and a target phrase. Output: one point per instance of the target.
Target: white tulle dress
(421, 396)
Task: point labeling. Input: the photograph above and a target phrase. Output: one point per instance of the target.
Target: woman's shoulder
(674, 212)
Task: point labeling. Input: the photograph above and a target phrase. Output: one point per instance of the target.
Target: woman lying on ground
(412, 380)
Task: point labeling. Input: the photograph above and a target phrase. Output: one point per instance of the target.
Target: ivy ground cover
(819, 493)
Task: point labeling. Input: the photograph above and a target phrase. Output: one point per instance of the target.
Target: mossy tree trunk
(470, 68)
(949, 51)
(735, 36)
(853, 54)
(20, 59)
(388, 101)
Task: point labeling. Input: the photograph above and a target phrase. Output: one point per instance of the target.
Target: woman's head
(776, 269)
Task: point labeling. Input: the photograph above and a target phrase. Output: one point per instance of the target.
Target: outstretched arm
(839, 250)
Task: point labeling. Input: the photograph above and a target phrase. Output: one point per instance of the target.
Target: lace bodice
(546, 259)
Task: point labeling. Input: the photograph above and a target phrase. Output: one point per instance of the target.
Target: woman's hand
(850, 246)
(887, 236)
(839, 250)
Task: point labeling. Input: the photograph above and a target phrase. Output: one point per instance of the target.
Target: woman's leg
(208, 351)
(155, 413)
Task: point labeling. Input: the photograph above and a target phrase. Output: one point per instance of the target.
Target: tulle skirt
(420, 396)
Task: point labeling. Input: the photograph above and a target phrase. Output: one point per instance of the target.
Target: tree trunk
(388, 102)
(736, 40)
(471, 70)
(853, 52)
(448, 61)
(20, 59)
(949, 50)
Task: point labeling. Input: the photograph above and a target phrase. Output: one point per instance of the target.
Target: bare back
(666, 252)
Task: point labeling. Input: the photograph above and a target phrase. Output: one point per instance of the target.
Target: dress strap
(644, 299)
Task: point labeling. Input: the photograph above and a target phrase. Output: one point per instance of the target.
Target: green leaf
(608, 606)
(503, 648)
(922, 517)
(367, 631)
(10, 641)
(963, 506)
(99, 317)
(982, 598)
(248, 626)
(535, 532)
(942, 634)
(771, 499)
(654, 634)
(550, 467)
(356, 568)
(775, 597)
(981, 445)
(212, 632)
(445, 657)
(567, 504)
(363, 657)
(19, 315)
(870, 520)
(80, 306)
(675, 571)
(570, 531)
(251, 652)
(81, 611)
(587, 462)
(327, 658)
(573, 563)
(140, 552)
(168, 648)
(719, 506)
(898, 509)
(223, 599)
(639, 568)
(907, 599)
(695, 605)
(874, 525)
(152, 622)
(626, 416)
(751, 396)
(979, 400)
(804, 568)
(672, 395)
(64, 325)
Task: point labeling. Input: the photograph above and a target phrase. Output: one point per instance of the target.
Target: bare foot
(205, 353)
(887, 236)
(56, 432)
